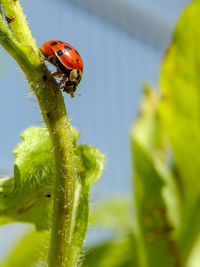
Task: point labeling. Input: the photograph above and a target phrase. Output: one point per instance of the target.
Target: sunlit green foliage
(27, 197)
(165, 148)
(180, 115)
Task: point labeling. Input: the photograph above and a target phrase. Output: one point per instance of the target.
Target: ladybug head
(75, 75)
(74, 79)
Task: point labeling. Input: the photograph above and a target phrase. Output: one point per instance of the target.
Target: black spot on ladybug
(44, 77)
(78, 77)
(77, 60)
(53, 43)
(10, 19)
(78, 71)
(67, 47)
(72, 60)
(77, 52)
(60, 42)
(60, 53)
(48, 195)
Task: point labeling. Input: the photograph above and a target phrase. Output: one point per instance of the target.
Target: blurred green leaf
(155, 239)
(30, 251)
(116, 214)
(180, 114)
(115, 253)
(194, 258)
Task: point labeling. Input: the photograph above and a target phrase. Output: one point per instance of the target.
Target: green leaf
(90, 167)
(91, 164)
(30, 251)
(7, 185)
(151, 178)
(28, 195)
(115, 253)
(116, 214)
(194, 258)
(180, 114)
(33, 180)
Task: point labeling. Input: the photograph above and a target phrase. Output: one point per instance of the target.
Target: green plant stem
(17, 22)
(81, 223)
(20, 44)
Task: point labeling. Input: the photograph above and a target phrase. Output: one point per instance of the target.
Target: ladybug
(68, 62)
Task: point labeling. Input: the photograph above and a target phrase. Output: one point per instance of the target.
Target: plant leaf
(154, 227)
(180, 113)
(30, 251)
(115, 253)
(90, 167)
(28, 195)
(115, 214)
(33, 180)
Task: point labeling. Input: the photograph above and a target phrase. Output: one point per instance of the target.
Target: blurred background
(122, 44)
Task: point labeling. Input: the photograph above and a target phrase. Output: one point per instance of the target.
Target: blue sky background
(117, 61)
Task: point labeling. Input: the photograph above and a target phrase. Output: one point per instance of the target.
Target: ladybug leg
(48, 59)
(57, 74)
(57, 88)
(64, 78)
(43, 58)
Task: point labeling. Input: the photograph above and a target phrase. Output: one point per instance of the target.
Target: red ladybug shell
(64, 52)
